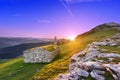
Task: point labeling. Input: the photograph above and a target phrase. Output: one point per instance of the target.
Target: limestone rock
(118, 47)
(89, 66)
(73, 76)
(62, 77)
(99, 71)
(82, 73)
(72, 66)
(100, 43)
(96, 76)
(90, 55)
(112, 24)
(108, 55)
(110, 59)
(115, 68)
(74, 58)
(113, 44)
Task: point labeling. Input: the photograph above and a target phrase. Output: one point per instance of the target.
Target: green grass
(49, 47)
(108, 76)
(113, 49)
(89, 78)
(16, 69)
(67, 50)
(22, 71)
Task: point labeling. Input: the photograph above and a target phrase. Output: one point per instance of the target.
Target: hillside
(99, 61)
(67, 50)
(60, 64)
(105, 27)
(16, 69)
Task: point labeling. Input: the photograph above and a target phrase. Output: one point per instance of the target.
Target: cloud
(78, 1)
(44, 21)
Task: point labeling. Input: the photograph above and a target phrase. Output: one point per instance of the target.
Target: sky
(49, 18)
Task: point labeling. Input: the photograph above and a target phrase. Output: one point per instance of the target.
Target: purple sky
(49, 18)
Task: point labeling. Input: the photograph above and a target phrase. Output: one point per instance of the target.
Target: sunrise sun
(71, 37)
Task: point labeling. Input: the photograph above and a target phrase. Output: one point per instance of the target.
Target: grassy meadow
(16, 69)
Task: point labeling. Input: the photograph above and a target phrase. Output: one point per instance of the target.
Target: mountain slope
(101, 28)
(60, 64)
(16, 69)
(99, 60)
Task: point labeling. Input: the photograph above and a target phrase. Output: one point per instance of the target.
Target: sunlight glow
(71, 37)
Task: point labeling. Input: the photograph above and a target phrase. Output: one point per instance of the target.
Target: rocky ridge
(91, 62)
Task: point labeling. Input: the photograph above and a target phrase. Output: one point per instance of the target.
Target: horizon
(61, 18)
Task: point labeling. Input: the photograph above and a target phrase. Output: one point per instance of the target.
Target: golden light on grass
(71, 37)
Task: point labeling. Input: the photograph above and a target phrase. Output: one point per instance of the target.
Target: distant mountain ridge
(8, 41)
(17, 50)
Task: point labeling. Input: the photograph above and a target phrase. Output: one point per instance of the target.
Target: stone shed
(40, 55)
(37, 55)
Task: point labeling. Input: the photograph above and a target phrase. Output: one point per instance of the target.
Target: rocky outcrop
(36, 55)
(87, 62)
(112, 24)
(96, 74)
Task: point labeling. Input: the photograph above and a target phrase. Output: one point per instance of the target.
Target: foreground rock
(92, 62)
(95, 75)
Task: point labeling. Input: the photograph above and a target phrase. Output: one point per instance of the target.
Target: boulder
(108, 55)
(110, 59)
(82, 73)
(113, 44)
(118, 47)
(74, 58)
(73, 76)
(114, 69)
(100, 43)
(99, 71)
(89, 66)
(115, 76)
(96, 76)
(72, 66)
(90, 55)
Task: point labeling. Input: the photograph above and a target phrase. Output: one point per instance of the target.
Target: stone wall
(37, 55)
